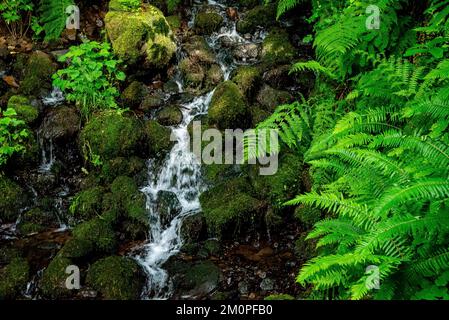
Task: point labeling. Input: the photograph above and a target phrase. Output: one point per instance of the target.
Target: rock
(192, 228)
(308, 216)
(37, 220)
(36, 74)
(169, 116)
(151, 102)
(277, 49)
(117, 278)
(87, 204)
(12, 199)
(227, 206)
(54, 277)
(243, 288)
(175, 22)
(274, 297)
(25, 111)
(140, 34)
(279, 77)
(132, 167)
(267, 284)
(77, 249)
(13, 278)
(60, 125)
(228, 109)
(158, 139)
(131, 202)
(270, 98)
(207, 22)
(98, 233)
(260, 16)
(168, 206)
(248, 80)
(246, 52)
(133, 95)
(110, 135)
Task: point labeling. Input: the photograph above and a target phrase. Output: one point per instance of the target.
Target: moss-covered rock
(12, 199)
(98, 232)
(274, 297)
(158, 139)
(87, 204)
(133, 95)
(228, 109)
(207, 22)
(37, 74)
(192, 228)
(169, 116)
(36, 220)
(13, 278)
(258, 114)
(269, 99)
(168, 206)
(260, 16)
(201, 278)
(110, 135)
(228, 205)
(25, 111)
(151, 102)
(143, 33)
(117, 278)
(308, 216)
(120, 166)
(76, 248)
(174, 21)
(277, 49)
(248, 79)
(53, 283)
(61, 124)
(132, 201)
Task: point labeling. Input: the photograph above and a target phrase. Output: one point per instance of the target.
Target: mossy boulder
(132, 201)
(140, 34)
(61, 124)
(174, 21)
(277, 49)
(132, 167)
(37, 220)
(37, 74)
(260, 16)
(228, 108)
(207, 21)
(269, 98)
(53, 282)
(228, 205)
(77, 249)
(24, 109)
(133, 95)
(117, 278)
(99, 233)
(192, 229)
(169, 116)
(12, 199)
(110, 135)
(158, 139)
(168, 206)
(201, 278)
(259, 114)
(13, 278)
(87, 204)
(248, 79)
(151, 102)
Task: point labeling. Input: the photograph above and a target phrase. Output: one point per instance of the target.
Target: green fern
(53, 17)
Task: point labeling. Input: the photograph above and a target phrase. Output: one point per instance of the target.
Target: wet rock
(12, 199)
(248, 79)
(132, 167)
(277, 49)
(54, 277)
(61, 124)
(247, 52)
(13, 278)
(207, 21)
(168, 206)
(267, 284)
(279, 77)
(87, 204)
(37, 220)
(36, 74)
(110, 135)
(228, 109)
(143, 33)
(175, 22)
(158, 139)
(24, 109)
(169, 116)
(260, 16)
(133, 95)
(270, 98)
(117, 278)
(193, 228)
(151, 102)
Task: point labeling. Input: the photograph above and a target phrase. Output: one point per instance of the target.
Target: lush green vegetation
(12, 134)
(378, 149)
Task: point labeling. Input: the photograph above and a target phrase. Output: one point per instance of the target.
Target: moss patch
(13, 278)
(24, 109)
(207, 22)
(12, 199)
(262, 15)
(158, 139)
(54, 278)
(277, 49)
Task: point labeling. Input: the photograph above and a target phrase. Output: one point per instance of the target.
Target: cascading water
(180, 174)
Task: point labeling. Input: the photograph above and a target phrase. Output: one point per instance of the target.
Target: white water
(180, 174)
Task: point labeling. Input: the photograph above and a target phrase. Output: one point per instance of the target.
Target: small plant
(17, 15)
(132, 5)
(90, 77)
(12, 135)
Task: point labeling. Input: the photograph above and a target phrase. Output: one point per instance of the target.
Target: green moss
(248, 79)
(77, 248)
(111, 135)
(13, 278)
(158, 139)
(54, 277)
(132, 201)
(262, 15)
(116, 278)
(308, 216)
(37, 74)
(98, 232)
(12, 199)
(133, 95)
(120, 166)
(36, 220)
(269, 98)
(228, 109)
(87, 203)
(258, 114)
(214, 76)
(24, 109)
(279, 297)
(207, 22)
(131, 32)
(169, 116)
(228, 204)
(174, 22)
(277, 49)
